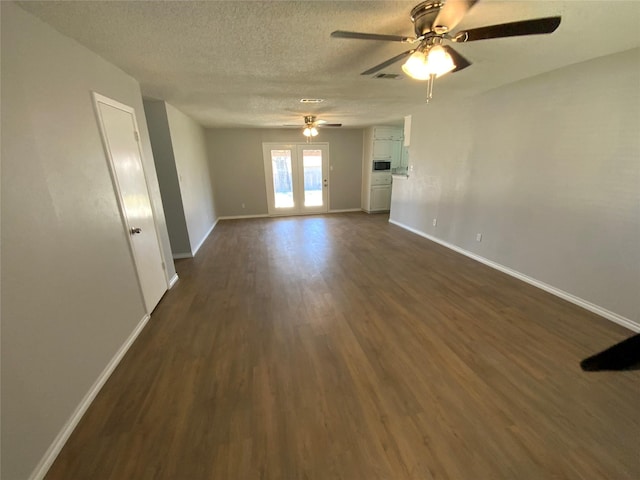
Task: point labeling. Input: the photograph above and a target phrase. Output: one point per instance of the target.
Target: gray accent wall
(238, 167)
(70, 297)
(156, 114)
(180, 154)
(547, 169)
(194, 177)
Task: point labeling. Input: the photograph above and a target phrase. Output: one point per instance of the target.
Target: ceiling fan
(311, 124)
(434, 21)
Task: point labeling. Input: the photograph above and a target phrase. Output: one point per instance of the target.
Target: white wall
(165, 162)
(192, 166)
(238, 167)
(548, 170)
(70, 297)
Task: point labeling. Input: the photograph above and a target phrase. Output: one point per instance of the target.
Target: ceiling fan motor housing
(424, 15)
(309, 119)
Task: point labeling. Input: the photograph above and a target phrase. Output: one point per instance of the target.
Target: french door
(296, 178)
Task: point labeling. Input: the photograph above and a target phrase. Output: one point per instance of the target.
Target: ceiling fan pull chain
(430, 86)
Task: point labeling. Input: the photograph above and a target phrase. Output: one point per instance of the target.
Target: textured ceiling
(241, 63)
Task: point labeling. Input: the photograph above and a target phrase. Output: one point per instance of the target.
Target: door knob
(134, 231)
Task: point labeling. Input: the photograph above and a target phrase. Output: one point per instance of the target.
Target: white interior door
(120, 136)
(297, 178)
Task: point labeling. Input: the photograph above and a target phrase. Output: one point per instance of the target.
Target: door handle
(134, 231)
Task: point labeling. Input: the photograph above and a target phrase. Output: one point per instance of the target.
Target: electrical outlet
(435, 222)
(478, 237)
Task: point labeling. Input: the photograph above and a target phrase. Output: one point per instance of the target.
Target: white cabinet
(382, 149)
(380, 143)
(390, 150)
(404, 158)
(396, 153)
(379, 179)
(380, 195)
(387, 133)
(380, 198)
(407, 131)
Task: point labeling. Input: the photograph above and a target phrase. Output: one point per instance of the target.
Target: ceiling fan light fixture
(416, 66)
(439, 61)
(310, 131)
(435, 61)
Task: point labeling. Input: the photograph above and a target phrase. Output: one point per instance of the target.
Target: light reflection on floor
(304, 246)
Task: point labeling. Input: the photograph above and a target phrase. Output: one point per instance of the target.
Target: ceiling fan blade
(386, 63)
(458, 59)
(536, 26)
(330, 125)
(371, 36)
(452, 12)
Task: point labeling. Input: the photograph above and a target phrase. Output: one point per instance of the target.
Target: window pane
(282, 178)
(312, 168)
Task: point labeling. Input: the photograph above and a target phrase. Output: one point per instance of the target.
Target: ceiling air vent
(311, 100)
(388, 76)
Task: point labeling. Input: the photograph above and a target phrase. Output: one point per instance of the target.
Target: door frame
(98, 98)
(324, 148)
(295, 173)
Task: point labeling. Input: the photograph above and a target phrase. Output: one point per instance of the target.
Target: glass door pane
(311, 167)
(312, 177)
(282, 178)
(296, 178)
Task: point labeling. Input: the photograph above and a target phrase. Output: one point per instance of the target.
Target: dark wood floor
(342, 347)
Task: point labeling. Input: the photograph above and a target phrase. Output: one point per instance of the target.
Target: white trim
(206, 235)
(345, 210)
(238, 217)
(592, 307)
(173, 280)
(179, 256)
(54, 449)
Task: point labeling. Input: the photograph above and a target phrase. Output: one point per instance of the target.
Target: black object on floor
(622, 356)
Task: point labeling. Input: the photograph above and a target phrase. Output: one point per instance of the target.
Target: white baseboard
(173, 280)
(592, 307)
(180, 256)
(345, 210)
(238, 217)
(241, 217)
(206, 235)
(54, 449)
